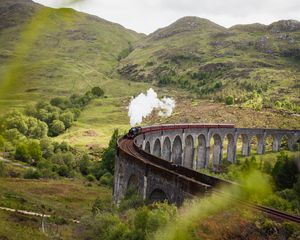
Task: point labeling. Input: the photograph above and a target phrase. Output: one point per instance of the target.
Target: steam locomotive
(133, 132)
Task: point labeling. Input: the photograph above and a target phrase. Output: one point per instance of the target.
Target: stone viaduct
(162, 163)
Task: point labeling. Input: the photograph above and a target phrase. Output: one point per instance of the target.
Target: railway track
(128, 147)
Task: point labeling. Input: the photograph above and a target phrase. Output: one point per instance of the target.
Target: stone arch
(158, 195)
(260, 145)
(166, 150)
(157, 148)
(133, 183)
(202, 151)
(189, 152)
(231, 148)
(284, 142)
(217, 150)
(177, 151)
(147, 147)
(245, 145)
(270, 142)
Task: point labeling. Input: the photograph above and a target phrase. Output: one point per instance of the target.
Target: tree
(34, 150)
(62, 103)
(36, 128)
(67, 118)
(108, 155)
(47, 147)
(2, 143)
(57, 127)
(22, 152)
(15, 120)
(97, 91)
(285, 172)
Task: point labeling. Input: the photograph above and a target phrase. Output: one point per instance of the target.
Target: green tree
(22, 152)
(15, 120)
(285, 171)
(57, 127)
(67, 118)
(36, 128)
(34, 150)
(97, 91)
(108, 155)
(2, 143)
(47, 147)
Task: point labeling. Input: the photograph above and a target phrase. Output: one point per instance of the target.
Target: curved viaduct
(161, 163)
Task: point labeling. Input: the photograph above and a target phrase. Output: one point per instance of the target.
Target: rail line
(129, 147)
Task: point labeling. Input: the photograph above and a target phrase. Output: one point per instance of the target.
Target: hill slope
(45, 51)
(215, 62)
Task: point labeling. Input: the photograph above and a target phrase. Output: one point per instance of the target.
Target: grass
(64, 197)
(15, 227)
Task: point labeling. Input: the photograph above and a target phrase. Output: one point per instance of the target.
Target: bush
(34, 150)
(90, 178)
(2, 143)
(2, 169)
(108, 155)
(97, 91)
(229, 100)
(57, 220)
(285, 172)
(63, 171)
(102, 205)
(57, 127)
(107, 179)
(131, 200)
(67, 118)
(32, 174)
(22, 153)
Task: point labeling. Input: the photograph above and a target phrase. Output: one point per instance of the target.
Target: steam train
(133, 132)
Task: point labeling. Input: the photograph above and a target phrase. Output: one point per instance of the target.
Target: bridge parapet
(191, 147)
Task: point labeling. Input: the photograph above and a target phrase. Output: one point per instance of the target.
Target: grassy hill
(46, 52)
(215, 62)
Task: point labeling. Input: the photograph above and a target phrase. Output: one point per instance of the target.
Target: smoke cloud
(143, 105)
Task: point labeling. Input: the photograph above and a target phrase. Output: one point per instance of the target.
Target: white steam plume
(142, 106)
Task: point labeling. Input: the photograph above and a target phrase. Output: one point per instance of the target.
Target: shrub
(67, 118)
(107, 179)
(22, 152)
(108, 155)
(97, 91)
(229, 100)
(131, 200)
(2, 143)
(34, 150)
(59, 220)
(90, 178)
(2, 169)
(32, 174)
(63, 171)
(102, 205)
(284, 172)
(57, 127)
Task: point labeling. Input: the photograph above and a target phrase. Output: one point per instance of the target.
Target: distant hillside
(56, 51)
(215, 62)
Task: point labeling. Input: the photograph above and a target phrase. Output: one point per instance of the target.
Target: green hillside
(246, 61)
(46, 52)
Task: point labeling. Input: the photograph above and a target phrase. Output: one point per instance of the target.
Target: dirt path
(29, 213)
